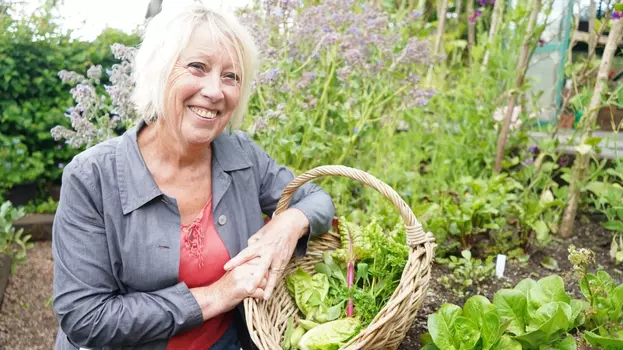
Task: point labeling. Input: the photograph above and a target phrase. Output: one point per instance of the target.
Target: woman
(159, 233)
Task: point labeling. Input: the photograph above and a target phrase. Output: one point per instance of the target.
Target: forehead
(209, 43)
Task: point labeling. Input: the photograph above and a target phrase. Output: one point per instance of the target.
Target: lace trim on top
(194, 235)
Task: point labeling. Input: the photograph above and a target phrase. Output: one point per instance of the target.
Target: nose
(212, 88)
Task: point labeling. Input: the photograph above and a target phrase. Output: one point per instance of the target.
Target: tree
(154, 8)
(586, 124)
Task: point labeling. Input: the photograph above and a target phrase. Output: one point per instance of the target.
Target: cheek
(233, 97)
(181, 87)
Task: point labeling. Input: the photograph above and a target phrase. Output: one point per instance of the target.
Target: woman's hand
(271, 248)
(231, 289)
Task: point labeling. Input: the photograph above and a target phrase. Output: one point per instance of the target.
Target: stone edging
(38, 226)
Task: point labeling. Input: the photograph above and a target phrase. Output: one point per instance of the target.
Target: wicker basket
(267, 320)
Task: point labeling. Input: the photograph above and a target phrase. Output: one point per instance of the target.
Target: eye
(197, 66)
(232, 77)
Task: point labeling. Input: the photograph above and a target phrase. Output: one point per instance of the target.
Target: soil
(27, 320)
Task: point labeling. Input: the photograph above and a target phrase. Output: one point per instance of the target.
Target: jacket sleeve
(310, 198)
(90, 310)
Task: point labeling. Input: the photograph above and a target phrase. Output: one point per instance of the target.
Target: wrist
(299, 221)
(209, 299)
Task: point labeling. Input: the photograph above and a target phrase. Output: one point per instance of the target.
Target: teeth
(204, 113)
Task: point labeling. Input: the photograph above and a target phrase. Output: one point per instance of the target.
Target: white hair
(167, 35)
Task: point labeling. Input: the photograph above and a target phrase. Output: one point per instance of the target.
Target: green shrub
(32, 97)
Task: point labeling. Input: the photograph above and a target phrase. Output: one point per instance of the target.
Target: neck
(160, 141)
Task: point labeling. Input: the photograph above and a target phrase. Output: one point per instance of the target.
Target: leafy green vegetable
(507, 343)
(476, 326)
(511, 305)
(608, 341)
(330, 335)
(286, 344)
(535, 315)
(381, 261)
(307, 324)
(311, 295)
(297, 335)
(441, 326)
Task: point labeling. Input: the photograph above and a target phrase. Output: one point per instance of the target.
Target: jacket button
(222, 220)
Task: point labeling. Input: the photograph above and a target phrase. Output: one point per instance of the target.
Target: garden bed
(27, 320)
(588, 235)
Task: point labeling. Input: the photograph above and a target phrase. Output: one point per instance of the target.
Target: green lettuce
(331, 335)
(311, 296)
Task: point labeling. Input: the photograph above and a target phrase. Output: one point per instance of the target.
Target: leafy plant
(538, 214)
(533, 315)
(476, 326)
(12, 243)
(48, 206)
(466, 272)
(604, 315)
(540, 312)
(608, 199)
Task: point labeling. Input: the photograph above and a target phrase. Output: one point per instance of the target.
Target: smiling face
(203, 88)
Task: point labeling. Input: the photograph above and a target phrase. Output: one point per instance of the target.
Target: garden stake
(522, 67)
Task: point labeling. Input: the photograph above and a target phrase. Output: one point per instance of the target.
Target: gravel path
(26, 320)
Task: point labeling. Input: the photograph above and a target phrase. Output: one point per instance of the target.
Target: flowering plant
(95, 117)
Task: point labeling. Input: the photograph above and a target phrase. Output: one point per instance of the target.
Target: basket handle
(415, 233)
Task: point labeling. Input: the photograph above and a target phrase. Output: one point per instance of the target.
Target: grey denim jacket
(116, 239)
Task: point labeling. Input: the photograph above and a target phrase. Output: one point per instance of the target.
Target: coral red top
(202, 257)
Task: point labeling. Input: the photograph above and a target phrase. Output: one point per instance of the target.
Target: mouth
(204, 113)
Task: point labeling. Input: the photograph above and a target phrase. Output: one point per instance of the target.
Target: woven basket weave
(267, 320)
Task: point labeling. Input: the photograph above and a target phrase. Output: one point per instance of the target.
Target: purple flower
(533, 149)
(70, 77)
(482, 2)
(477, 14)
(95, 72)
(617, 14)
(269, 77)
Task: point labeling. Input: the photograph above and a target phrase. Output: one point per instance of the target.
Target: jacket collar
(138, 187)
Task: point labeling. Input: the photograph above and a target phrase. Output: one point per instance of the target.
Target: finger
(274, 275)
(242, 257)
(263, 283)
(261, 270)
(258, 294)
